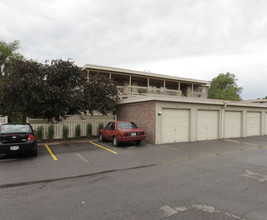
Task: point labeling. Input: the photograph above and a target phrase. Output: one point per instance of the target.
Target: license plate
(14, 147)
(133, 134)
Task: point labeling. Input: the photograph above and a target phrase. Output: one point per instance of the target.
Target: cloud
(209, 36)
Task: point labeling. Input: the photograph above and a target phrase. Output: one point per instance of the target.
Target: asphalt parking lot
(222, 179)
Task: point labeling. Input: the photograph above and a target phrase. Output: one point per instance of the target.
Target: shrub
(65, 132)
(39, 133)
(89, 130)
(77, 130)
(51, 132)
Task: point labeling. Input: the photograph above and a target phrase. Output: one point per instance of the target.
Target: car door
(106, 130)
(111, 131)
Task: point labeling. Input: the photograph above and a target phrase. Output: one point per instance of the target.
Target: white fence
(71, 123)
(3, 120)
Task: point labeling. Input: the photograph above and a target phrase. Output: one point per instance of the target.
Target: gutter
(223, 103)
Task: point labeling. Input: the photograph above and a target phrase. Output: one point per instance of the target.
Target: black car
(17, 138)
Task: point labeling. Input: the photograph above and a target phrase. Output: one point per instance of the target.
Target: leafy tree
(21, 92)
(224, 87)
(51, 91)
(32, 89)
(100, 94)
(64, 86)
(7, 53)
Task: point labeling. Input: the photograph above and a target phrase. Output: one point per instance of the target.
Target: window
(108, 125)
(9, 128)
(126, 125)
(112, 127)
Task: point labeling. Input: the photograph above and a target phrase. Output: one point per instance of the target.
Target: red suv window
(112, 127)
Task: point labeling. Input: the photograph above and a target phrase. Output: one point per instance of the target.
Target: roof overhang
(190, 100)
(142, 74)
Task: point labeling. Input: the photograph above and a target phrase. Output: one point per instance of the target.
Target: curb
(59, 142)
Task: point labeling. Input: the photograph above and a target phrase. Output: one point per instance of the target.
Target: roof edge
(143, 73)
(191, 100)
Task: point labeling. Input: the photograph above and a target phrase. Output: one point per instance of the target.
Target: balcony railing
(141, 90)
(197, 94)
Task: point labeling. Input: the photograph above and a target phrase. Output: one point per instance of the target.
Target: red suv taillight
(30, 137)
(141, 133)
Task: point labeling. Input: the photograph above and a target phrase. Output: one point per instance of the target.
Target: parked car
(121, 131)
(17, 138)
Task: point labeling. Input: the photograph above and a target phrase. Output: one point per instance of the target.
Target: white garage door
(253, 123)
(175, 125)
(207, 125)
(265, 123)
(232, 124)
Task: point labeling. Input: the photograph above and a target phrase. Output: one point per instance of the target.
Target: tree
(21, 92)
(224, 87)
(50, 91)
(100, 94)
(64, 89)
(7, 53)
(32, 89)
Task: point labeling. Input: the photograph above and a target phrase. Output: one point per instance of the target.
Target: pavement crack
(10, 185)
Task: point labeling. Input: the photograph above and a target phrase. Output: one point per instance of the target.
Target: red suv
(121, 131)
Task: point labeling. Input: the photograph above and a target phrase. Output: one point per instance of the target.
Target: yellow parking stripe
(103, 147)
(51, 153)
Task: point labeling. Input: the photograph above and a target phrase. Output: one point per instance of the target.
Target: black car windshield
(126, 125)
(14, 128)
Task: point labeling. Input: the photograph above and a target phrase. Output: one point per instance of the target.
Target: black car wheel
(101, 137)
(138, 142)
(34, 153)
(115, 141)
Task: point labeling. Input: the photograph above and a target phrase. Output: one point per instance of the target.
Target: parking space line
(79, 155)
(51, 153)
(103, 147)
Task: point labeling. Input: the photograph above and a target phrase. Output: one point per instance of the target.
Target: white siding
(207, 125)
(233, 124)
(175, 125)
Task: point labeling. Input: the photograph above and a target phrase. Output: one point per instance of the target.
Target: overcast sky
(187, 38)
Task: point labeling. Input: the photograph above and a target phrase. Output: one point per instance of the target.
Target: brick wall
(143, 114)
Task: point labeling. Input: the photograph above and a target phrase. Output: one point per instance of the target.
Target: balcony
(125, 92)
(134, 83)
